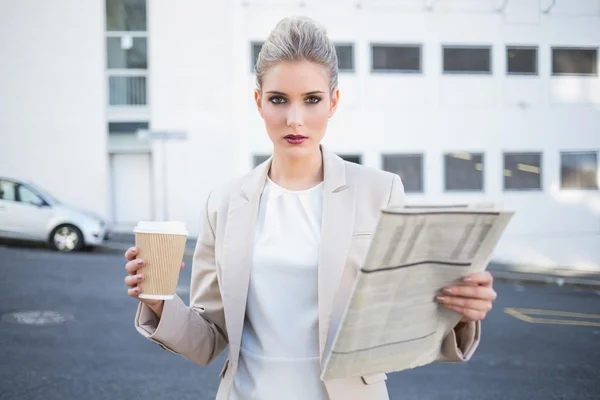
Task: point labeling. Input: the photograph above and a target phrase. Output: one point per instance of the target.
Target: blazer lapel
(238, 243)
(336, 234)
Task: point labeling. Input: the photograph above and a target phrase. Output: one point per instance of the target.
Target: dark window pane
(574, 61)
(127, 53)
(521, 60)
(579, 170)
(117, 128)
(522, 171)
(464, 171)
(126, 15)
(353, 158)
(260, 158)
(255, 50)
(345, 54)
(467, 59)
(409, 167)
(127, 90)
(8, 191)
(396, 58)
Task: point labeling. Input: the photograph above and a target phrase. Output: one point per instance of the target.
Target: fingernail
(467, 279)
(448, 290)
(140, 262)
(441, 299)
(139, 276)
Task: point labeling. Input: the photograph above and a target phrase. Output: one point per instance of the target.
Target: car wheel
(66, 238)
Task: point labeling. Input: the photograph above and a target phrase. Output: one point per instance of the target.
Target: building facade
(468, 100)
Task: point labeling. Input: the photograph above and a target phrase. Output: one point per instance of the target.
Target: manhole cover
(37, 317)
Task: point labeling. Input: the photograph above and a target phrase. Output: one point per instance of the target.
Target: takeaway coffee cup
(161, 245)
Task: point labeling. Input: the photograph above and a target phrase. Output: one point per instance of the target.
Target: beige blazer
(352, 199)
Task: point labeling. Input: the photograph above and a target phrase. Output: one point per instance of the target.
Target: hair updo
(298, 39)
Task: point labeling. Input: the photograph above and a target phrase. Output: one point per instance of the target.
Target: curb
(561, 281)
(503, 274)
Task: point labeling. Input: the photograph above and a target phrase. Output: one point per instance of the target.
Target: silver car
(28, 212)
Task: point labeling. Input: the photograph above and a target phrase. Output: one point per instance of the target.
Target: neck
(297, 173)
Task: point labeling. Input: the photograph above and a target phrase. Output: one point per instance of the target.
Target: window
(255, 51)
(522, 171)
(521, 60)
(396, 58)
(25, 195)
(260, 158)
(126, 52)
(464, 171)
(353, 158)
(579, 170)
(467, 59)
(127, 90)
(345, 55)
(8, 191)
(119, 128)
(125, 15)
(410, 169)
(567, 61)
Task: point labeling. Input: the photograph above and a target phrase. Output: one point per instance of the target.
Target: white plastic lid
(169, 227)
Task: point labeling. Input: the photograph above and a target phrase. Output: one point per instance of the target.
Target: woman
(280, 247)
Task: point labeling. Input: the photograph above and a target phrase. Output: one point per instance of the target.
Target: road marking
(528, 315)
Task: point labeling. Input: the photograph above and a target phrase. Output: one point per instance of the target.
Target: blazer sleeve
(197, 332)
(462, 341)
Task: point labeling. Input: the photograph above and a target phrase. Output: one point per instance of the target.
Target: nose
(294, 117)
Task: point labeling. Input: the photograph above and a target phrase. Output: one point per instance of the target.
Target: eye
(313, 99)
(277, 100)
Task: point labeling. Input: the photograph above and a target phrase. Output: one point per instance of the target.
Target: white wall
(191, 90)
(433, 113)
(53, 103)
(52, 98)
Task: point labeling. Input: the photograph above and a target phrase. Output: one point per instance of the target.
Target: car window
(7, 191)
(27, 196)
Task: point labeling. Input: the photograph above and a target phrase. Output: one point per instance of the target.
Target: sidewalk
(120, 242)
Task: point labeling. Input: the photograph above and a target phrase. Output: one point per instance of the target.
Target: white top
(279, 357)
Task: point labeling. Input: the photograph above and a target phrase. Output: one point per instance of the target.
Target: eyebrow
(305, 94)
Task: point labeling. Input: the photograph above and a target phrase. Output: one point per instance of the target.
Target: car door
(8, 198)
(33, 213)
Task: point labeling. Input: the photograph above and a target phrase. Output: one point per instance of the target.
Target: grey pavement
(97, 354)
(120, 242)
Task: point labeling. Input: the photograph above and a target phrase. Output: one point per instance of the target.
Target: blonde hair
(298, 39)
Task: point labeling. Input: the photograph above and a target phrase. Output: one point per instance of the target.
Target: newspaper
(392, 321)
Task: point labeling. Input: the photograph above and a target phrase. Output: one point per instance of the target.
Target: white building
(469, 100)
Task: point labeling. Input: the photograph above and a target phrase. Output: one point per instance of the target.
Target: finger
(182, 266)
(476, 292)
(133, 265)
(483, 278)
(133, 280)
(131, 253)
(473, 304)
(467, 313)
(134, 292)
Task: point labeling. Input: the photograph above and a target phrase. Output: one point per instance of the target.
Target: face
(296, 104)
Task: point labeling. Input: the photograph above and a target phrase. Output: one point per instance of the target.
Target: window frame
(559, 74)
(522, 47)
(541, 166)
(488, 47)
(422, 169)
(444, 169)
(352, 46)
(596, 152)
(418, 46)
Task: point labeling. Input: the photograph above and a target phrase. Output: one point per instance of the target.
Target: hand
(133, 278)
(472, 298)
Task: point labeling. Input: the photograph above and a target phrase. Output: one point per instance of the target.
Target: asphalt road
(98, 354)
